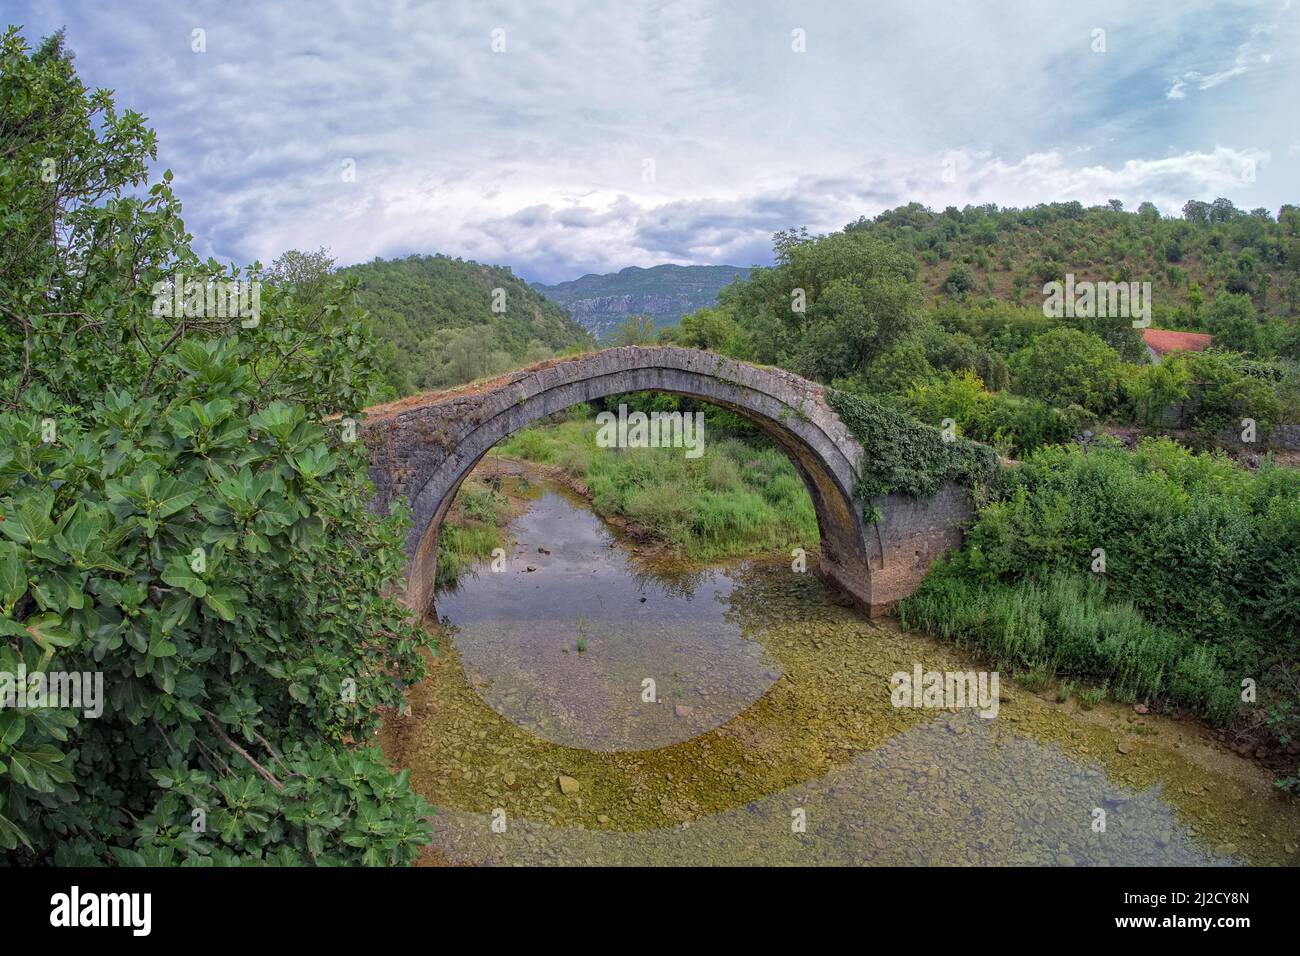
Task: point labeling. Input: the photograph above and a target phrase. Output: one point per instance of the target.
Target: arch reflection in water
(564, 639)
(875, 783)
(984, 796)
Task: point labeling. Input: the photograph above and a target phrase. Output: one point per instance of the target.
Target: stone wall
(910, 535)
(1284, 436)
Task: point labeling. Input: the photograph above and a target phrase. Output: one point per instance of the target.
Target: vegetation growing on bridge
(903, 456)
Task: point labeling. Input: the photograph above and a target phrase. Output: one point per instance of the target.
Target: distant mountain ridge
(599, 303)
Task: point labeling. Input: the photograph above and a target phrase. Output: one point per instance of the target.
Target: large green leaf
(180, 574)
(13, 578)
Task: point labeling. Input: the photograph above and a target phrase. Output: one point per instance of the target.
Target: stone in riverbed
(567, 784)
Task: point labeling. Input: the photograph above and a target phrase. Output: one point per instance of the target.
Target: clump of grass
(575, 459)
(473, 529)
(722, 474)
(531, 444)
(459, 547)
(1036, 678)
(482, 504)
(1090, 697)
(663, 509)
(1066, 625)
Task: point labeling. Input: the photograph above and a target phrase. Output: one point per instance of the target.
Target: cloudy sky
(566, 138)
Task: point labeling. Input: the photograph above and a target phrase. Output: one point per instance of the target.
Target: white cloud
(534, 157)
(1249, 55)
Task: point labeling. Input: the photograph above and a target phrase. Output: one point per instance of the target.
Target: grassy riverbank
(1154, 575)
(476, 525)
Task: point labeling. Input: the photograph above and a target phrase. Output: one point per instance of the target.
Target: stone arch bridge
(423, 447)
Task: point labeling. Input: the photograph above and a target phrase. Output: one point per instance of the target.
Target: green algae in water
(804, 761)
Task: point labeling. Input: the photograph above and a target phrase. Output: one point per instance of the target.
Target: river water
(588, 706)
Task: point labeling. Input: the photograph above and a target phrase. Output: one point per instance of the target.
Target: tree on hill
(635, 330)
(829, 306)
(960, 281)
(1231, 320)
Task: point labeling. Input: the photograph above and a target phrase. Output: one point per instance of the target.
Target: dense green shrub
(1198, 546)
(1068, 367)
(1009, 423)
(1226, 388)
(960, 281)
(181, 516)
(1179, 529)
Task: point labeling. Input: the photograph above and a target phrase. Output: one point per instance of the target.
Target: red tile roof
(1164, 341)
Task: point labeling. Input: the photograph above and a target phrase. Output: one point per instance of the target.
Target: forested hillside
(441, 321)
(860, 309)
(1189, 258)
(600, 303)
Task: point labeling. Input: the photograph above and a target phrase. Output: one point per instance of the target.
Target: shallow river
(590, 706)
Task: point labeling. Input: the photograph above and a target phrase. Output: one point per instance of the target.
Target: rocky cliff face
(599, 315)
(666, 293)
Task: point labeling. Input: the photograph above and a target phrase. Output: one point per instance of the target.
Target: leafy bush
(1199, 547)
(960, 281)
(960, 396)
(181, 516)
(1068, 367)
(1004, 421)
